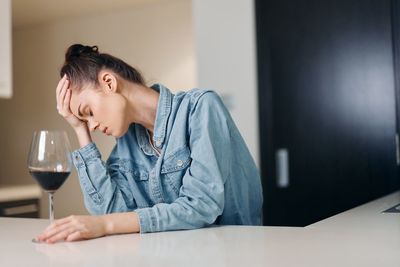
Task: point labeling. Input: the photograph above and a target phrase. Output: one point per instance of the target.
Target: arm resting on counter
(121, 223)
(75, 228)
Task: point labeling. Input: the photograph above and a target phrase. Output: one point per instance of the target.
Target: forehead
(80, 98)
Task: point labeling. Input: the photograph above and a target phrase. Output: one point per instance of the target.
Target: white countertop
(368, 216)
(344, 244)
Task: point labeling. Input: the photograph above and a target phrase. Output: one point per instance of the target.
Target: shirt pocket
(137, 178)
(133, 170)
(175, 166)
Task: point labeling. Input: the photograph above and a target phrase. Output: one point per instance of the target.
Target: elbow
(94, 203)
(205, 214)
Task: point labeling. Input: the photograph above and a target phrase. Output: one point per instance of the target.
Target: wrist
(120, 223)
(81, 129)
(108, 225)
(83, 135)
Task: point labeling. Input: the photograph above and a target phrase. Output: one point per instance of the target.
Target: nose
(92, 125)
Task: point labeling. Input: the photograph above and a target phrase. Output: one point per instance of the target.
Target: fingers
(60, 84)
(58, 223)
(58, 234)
(62, 89)
(67, 229)
(64, 101)
(64, 235)
(75, 236)
(53, 229)
(73, 228)
(59, 230)
(67, 99)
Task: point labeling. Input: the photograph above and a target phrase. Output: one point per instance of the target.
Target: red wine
(50, 181)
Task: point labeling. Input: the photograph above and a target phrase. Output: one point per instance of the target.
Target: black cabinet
(327, 106)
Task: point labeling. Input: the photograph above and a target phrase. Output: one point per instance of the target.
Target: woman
(179, 161)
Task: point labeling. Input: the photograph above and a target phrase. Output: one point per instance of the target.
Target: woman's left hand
(74, 228)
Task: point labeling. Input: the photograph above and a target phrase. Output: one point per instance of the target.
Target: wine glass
(49, 162)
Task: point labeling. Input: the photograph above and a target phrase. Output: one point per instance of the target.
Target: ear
(108, 81)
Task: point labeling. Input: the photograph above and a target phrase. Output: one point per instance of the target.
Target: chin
(119, 134)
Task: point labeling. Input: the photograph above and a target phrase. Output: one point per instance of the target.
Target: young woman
(179, 161)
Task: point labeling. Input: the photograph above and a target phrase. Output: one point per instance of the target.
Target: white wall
(156, 38)
(226, 59)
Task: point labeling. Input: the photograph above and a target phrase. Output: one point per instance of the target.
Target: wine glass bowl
(50, 181)
(49, 161)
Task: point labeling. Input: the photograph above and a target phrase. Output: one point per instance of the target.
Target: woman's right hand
(63, 95)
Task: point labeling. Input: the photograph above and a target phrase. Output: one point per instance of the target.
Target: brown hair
(83, 63)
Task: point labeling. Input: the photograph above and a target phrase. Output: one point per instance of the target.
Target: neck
(142, 104)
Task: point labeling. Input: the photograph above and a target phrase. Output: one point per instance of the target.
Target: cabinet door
(327, 106)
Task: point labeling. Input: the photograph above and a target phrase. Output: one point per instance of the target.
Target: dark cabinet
(327, 106)
(27, 208)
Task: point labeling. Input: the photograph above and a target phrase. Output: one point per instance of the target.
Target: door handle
(282, 168)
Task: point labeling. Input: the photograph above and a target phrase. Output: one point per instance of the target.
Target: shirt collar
(143, 142)
(163, 111)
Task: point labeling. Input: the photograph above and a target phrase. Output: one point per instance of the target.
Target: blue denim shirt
(199, 171)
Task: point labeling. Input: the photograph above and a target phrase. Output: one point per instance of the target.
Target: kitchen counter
(370, 216)
(19, 192)
(341, 240)
(20, 200)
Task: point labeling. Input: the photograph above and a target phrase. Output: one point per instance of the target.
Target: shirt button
(179, 163)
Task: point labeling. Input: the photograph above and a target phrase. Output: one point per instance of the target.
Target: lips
(105, 130)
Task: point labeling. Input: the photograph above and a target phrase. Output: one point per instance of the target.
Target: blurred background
(171, 42)
(312, 85)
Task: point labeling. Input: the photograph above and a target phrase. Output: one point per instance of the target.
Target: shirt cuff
(84, 154)
(147, 220)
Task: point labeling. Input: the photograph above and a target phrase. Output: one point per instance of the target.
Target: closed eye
(88, 111)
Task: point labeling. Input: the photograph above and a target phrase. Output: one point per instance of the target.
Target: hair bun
(78, 50)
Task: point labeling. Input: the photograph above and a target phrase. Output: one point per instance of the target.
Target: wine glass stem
(51, 207)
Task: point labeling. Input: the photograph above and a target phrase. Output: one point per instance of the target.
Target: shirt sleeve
(201, 196)
(103, 188)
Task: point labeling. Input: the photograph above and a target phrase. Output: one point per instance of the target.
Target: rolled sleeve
(101, 193)
(85, 154)
(147, 220)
